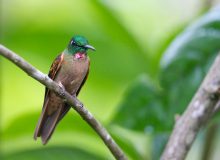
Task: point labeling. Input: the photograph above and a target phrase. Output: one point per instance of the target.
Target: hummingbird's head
(79, 44)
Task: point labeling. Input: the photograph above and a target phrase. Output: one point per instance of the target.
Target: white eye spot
(73, 42)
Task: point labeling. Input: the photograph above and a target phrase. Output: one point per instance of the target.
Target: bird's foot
(81, 105)
(78, 103)
(60, 84)
(62, 89)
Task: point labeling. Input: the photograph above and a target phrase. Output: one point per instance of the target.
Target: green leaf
(187, 60)
(147, 109)
(142, 108)
(52, 153)
(159, 142)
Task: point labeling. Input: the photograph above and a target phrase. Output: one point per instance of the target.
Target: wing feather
(55, 67)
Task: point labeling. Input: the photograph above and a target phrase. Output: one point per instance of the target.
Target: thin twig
(73, 101)
(195, 116)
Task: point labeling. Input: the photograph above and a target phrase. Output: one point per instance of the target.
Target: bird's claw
(60, 84)
(81, 105)
(78, 103)
(62, 89)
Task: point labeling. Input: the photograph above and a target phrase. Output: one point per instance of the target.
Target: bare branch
(73, 101)
(198, 112)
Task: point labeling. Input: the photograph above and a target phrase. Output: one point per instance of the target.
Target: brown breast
(72, 72)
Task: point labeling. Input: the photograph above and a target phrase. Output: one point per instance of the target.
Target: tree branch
(198, 112)
(73, 101)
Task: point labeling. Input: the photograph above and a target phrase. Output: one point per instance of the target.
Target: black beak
(89, 47)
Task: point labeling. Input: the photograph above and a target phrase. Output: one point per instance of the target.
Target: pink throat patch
(79, 55)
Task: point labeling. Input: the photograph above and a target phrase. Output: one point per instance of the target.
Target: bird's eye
(73, 43)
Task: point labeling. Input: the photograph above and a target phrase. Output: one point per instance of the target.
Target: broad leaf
(188, 58)
(159, 142)
(183, 66)
(142, 108)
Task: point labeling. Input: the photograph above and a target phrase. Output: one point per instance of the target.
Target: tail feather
(46, 125)
(41, 120)
(49, 126)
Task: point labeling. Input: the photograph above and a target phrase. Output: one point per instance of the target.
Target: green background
(133, 87)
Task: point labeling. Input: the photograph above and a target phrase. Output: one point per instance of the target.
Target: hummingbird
(70, 70)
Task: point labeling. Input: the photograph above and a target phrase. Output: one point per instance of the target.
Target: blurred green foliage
(183, 67)
(55, 153)
(128, 90)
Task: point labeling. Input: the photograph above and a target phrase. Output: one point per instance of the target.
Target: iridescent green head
(79, 44)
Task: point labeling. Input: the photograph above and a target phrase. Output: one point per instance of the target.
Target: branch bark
(73, 101)
(198, 112)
